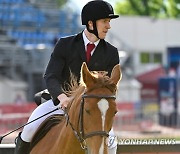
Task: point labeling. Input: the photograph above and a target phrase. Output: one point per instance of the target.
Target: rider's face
(103, 25)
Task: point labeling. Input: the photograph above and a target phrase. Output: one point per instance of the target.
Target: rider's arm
(53, 73)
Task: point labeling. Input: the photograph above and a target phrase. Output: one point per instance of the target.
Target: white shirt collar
(86, 41)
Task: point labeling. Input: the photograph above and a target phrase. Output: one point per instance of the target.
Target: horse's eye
(87, 111)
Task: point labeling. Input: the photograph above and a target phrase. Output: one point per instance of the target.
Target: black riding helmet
(95, 10)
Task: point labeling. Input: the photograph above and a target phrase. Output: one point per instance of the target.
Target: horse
(89, 118)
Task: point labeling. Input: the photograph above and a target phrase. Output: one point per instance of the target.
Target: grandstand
(28, 30)
(32, 23)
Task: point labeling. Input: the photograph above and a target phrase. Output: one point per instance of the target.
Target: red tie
(90, 47)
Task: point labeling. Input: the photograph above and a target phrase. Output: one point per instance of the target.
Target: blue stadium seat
(18, 15)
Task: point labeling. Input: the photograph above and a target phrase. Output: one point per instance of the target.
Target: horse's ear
(86, 76)
(116, 74)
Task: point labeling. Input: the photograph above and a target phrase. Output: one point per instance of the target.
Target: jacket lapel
(98, 55)
(80, 47)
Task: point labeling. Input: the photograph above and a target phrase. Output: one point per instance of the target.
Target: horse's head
(98, 107)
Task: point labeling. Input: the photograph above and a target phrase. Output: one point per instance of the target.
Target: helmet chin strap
(94, 31)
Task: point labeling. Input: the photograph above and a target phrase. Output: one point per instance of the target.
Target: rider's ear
(90, 24)
(116, 74)
(86, 76)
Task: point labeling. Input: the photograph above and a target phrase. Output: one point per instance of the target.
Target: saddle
(42, 97)
(45, 127)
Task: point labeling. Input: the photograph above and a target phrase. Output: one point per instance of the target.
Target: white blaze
(103, 106)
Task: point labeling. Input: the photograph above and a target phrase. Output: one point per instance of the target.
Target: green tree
(154, 8)
(61, 2)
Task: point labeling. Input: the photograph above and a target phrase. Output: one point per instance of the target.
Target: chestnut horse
(89, 117)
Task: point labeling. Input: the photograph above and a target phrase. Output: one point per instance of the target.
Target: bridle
(80, 135)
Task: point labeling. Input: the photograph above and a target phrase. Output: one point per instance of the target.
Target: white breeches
(30, 129)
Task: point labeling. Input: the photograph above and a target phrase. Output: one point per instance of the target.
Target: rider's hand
(64, 101)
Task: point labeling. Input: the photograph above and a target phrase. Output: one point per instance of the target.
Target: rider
(68, 55)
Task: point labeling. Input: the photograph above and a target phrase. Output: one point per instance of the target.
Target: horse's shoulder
(45, 127)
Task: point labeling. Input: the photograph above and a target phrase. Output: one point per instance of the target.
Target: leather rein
(80, 135)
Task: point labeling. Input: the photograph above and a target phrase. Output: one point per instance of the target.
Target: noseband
(81, 136)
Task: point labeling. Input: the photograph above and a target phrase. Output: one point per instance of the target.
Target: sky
(80, 3)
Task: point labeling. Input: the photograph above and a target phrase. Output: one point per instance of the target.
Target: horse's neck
(66, 142)
(66, 138)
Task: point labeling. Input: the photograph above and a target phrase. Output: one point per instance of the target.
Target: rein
(81, 136)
